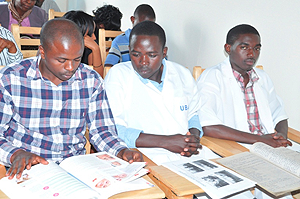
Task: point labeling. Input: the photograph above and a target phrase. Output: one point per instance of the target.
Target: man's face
(147, 53)
(137, 19)
(244, 53)
(60, 60)
(24, 5)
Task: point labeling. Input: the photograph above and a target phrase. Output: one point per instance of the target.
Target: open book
(216, 180)
(277, 170)
(97, 175)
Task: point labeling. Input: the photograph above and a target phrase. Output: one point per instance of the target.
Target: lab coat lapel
(235, 96)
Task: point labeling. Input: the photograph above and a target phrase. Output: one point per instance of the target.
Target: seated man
(119, 47)
(238, 101)
(154, 101)
(9, 51)
(47, 101)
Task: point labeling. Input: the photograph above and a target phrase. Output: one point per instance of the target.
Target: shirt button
(248, 105)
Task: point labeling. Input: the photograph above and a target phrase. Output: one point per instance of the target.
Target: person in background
(238, 101)
(46, 103)
(22, 12)
(47, 4)
(9, 51)
(154, 101)
(91, 54)
(108, 17)
(119, 48)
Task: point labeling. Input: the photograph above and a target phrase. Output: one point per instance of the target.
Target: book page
(267, 175)
(46, 181)
(106, 173)
(281, 156)
(214, 179)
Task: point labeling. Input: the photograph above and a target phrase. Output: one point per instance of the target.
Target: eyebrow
(69, 59)
(246, 44)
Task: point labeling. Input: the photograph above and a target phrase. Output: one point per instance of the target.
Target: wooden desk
(222, 147)
(294, 135)
(173, 185)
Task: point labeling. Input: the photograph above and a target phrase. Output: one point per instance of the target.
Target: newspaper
(216, 180)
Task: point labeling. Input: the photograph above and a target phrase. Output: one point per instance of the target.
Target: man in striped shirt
(47, 101)
(9, 51)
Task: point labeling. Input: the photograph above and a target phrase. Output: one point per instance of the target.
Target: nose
(70, 66)
(251, 52)
(144, 60)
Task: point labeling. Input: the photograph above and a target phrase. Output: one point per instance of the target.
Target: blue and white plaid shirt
(49, 120)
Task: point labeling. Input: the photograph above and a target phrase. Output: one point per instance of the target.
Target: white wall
(196, 31)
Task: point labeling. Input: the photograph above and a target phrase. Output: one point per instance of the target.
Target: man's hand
(279, 137)
(90, 43)
(193, 144)
(186, 145)
(22, 159)
(4, 43)
(274, 140)
(130, 155)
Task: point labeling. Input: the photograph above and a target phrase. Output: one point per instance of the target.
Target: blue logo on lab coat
(184, 108)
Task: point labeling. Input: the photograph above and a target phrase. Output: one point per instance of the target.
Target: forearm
(151, 141)
(97, 61)
(282, 128)
(224, 132)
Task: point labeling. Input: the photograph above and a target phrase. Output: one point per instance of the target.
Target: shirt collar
(156, 84)
(253, 77)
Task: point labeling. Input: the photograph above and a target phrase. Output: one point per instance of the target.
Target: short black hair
(149, 28)
(59, 29)
(236, 31)
(83, 20)
(144, 10)
(108, 15)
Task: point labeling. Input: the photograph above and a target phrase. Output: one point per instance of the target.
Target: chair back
(197, 70)
(105, 45)
(53, 14)
(17, 31)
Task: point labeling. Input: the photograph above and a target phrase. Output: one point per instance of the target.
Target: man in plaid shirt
(238, 101)
(47, 101)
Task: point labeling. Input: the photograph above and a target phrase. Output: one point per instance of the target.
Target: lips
(250, 61)
(68, 76)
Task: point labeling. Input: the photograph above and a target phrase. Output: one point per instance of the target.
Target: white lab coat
(142, 106)
(221, 99)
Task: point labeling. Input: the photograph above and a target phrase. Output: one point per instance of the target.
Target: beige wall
(196, 31)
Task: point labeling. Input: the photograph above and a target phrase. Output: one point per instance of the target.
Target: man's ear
(42, 52)
(227, 48)
(165, 50)
(132, 18)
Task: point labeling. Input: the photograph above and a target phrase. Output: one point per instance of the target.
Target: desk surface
(223, 147)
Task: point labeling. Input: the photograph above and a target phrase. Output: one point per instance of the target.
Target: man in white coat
(238, 101)
(154, 101)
